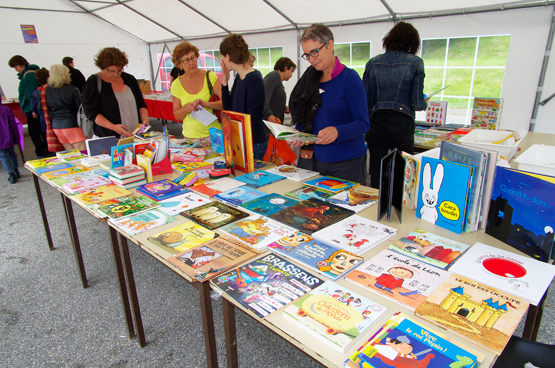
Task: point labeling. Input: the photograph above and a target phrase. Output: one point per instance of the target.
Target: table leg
(43, 212)
(75, 239)
(533, 320)
(121, 282)
(129, 277)
(230, 334)
(208, 324)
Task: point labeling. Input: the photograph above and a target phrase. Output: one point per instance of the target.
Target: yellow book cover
(183, 237)
(101, 194)
(145, 163)
(63, 172)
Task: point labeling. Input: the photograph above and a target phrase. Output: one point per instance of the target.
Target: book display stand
(119, 242)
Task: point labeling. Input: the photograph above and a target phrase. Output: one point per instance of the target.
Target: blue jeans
(259, 150)
(9, 159)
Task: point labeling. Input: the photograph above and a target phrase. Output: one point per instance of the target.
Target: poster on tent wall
(29, 33)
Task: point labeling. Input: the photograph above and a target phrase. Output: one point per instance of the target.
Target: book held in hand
(334, 314)
(266, 284)
(290, 134)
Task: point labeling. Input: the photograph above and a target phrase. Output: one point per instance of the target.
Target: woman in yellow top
(190, 91)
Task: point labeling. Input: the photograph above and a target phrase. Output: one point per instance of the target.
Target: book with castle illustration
(400, 278)
(266, 284)
(355, 234)
(477, 312)
(212, 258)
(334, 314)
(429, 248)
(521, 211)
(519, 275)
(257, 231)
(403, 342)
(183, 237)
(444, 193)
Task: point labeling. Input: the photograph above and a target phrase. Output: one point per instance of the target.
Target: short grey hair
(317, 32)
(59, 75)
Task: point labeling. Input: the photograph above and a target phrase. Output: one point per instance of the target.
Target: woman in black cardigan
(119, 106)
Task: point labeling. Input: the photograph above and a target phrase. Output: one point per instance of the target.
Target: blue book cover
(118, 155)
(159, 188)
(238, 196)
(404, 343)
(308, 192)
(269, 204)
(259, 178)
(331, 184)
(168, 195)
(521, 211)
(444, 190)
(330, 261)
(42, 170)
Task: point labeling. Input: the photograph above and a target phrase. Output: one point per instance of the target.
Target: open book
(288, 133)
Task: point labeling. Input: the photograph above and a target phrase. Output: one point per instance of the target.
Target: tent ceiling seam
(282, 14)
(205, 16)
(147, 18)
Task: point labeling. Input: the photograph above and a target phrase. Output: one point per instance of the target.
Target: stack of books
(129, 176)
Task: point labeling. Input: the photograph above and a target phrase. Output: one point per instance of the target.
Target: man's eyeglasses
(188, 59)
(313, 53)
(111, 71)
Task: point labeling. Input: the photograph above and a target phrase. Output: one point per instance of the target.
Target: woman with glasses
(274, 104)
(247, 96)
(191, 91)
(329, 101)
(394, 84)
(119, 107)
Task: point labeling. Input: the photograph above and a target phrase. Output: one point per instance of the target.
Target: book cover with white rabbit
(444, 191)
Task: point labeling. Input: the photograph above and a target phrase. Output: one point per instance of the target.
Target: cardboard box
(144, 85)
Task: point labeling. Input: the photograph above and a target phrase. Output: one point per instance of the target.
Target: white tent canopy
(142, 28)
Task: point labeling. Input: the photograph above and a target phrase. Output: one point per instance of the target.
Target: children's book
(355, 234)
(95, 160)
(521, 211)
(237, 129)
(70, 155)
(488, 187)
(84, 184)
(391, 185)
(288, 133)
(66, 171)
(410, 184)
(159, 187)
(468, 156)
(192, 166)
(213, 215)
(133, 184)
(186, 201)
(143, 221)
(484, 315)
(189, 154)
(238, 196)
(259, 178)
(429, 248)
(259, 164)
(257, 231)
(210, 189)
(182, 237)
(403, 342)
(42, 162)
(307, 192)
(266, 284)
(436, 113)
(356, 199)
(131, 179)
(269, 204)
(311, 215)
(58, 166)
(486, 113)
(400, 278)
(124, 172)
(319, 256)
(118, 155)
(212, 258)
(521, 276)
(331, 184)
(125, 206)
(146, 165)
(101, 194)
(169, 195)
(335, 315)
(293, 173)
(444, 193)
(99, 146)
(85, 175)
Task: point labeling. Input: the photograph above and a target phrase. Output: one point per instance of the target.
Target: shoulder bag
(213, 96)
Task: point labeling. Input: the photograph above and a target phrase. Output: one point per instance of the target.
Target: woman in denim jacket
(394, 84)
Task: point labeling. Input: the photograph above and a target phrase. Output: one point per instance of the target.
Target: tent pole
(149, 52)
(542, 73)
